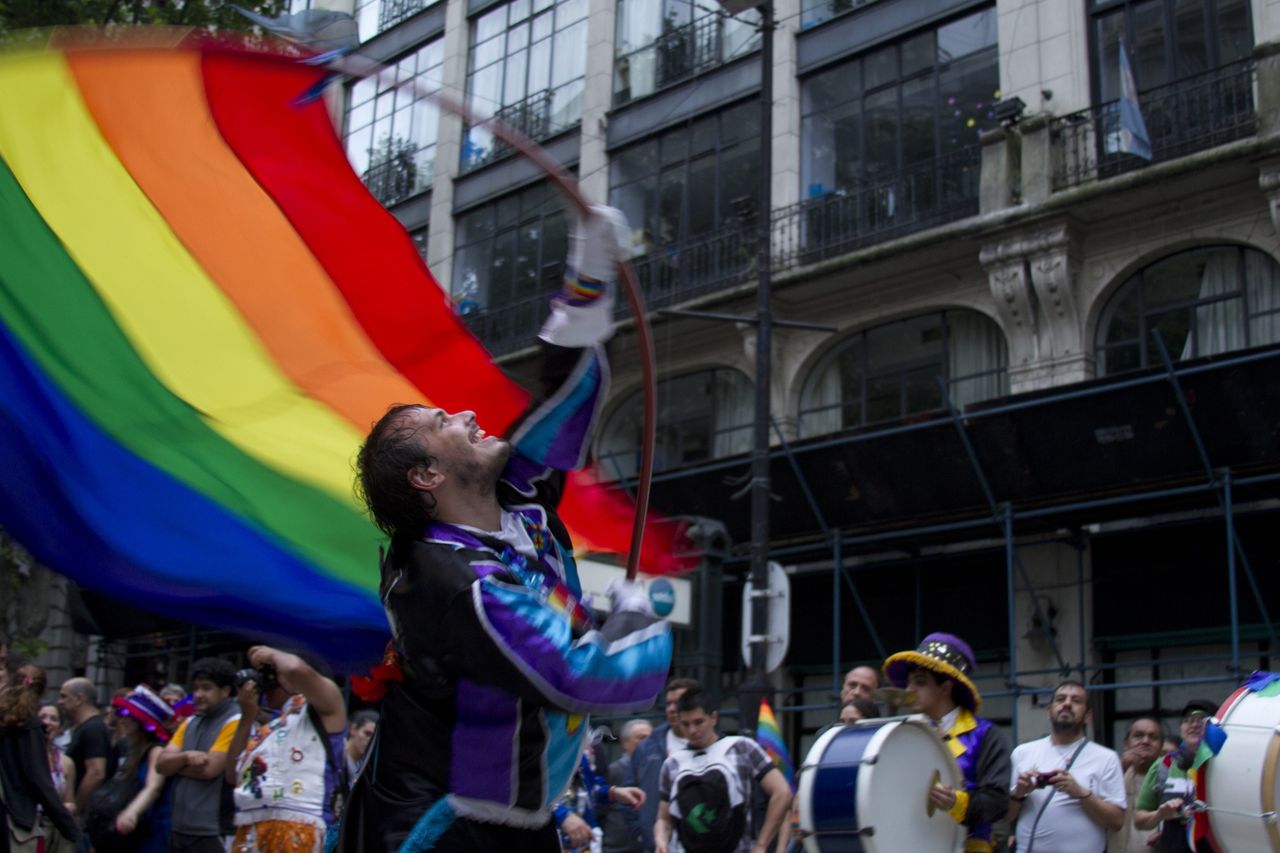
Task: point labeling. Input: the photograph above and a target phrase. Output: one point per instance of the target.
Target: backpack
(709, 821)
(105, 806)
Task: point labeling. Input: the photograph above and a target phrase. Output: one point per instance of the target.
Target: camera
(264, 678)
(1043, 779)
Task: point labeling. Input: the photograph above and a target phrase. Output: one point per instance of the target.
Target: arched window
(893, 370)
(701, 416)
(1201, 302)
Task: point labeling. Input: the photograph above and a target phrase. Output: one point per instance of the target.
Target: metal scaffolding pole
(1007, 512)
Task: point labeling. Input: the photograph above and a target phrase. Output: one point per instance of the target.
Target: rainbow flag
(202, 310)
(769, 736)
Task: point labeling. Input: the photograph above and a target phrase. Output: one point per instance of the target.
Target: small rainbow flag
(769, 736)
(202, 310)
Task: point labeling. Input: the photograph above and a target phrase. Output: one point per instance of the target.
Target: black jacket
(26, 781)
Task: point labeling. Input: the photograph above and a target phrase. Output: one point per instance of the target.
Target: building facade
(1041, 416)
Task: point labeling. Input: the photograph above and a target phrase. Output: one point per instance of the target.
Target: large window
(509, 250)
(661, 42)
(374, 16)
(1200, 302)
(690, 180)
(391, 132)
(526, 66)
(892, 371)
(1168, 40)
(701, 416)
(899, 105)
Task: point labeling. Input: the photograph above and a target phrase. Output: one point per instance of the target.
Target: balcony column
(998, 188)
(1054, 260)
(1267, 59)
(1011, 289)
(1037, 160)
(1269, 181)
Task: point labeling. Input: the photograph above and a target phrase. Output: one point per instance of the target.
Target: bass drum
(865, 788)
(1240, 790)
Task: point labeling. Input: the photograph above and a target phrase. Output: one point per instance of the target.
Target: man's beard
(481, 475)
(1063, 727)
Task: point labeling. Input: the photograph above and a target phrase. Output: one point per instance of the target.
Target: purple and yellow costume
(980, 749)
(500, 662)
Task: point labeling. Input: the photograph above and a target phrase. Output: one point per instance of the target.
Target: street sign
(776, 635)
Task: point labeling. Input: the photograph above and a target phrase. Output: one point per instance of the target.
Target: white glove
(629, 597)
(598, 243)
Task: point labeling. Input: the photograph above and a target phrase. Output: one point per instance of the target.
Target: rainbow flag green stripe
(202, 310)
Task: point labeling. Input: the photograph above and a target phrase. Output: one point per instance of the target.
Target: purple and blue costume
(501, 663)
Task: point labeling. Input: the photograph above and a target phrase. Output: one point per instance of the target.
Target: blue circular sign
(662, 595)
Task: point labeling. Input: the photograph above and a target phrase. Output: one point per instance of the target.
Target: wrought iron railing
(396, 178)
(926, 195)
(532, 117)
(392, 12)
(1193, 114)
(923, 196)
(678, 54)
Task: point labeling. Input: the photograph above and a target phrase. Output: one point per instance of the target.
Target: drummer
(939, 673)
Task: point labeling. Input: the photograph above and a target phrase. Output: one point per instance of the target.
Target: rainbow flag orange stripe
(202, 311)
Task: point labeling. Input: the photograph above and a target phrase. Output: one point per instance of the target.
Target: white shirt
(1065, 827)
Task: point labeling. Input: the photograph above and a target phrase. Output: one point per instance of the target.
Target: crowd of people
(262, 759)
(253, 759)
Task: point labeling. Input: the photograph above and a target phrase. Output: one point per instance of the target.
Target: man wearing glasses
(1169, 788)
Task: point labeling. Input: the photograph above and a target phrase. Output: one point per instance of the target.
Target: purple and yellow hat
(145, 706)
(945, 654)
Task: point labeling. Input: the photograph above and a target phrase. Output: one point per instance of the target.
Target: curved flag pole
(355, 66)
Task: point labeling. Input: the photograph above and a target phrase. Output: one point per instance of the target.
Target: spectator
(25, 782)
(589, 794)
(859, 709)
(1141, 749)
(287, 773)
(138, 816)
(1168, 787)
(173, 694)
(196, 757)
(861, 682)
(176, 696)
(938, 673)
(705, 789)
(359, 735)
(647, 760)
(90, 745)
(63, 773)
(1068, 792)
(621, 823)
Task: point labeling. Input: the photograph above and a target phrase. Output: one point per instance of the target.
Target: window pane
(966, 36)
(904, 344)
(823, 91)
(702, 196)
(969, 88)
(1151, 61)
(1190, 37)
(1235, 34)
(881, 67)
(490, 24)
(917, 54)
(1123, 322)
(918, 102)
(882, 134)
(740, 122)
(1108, 30)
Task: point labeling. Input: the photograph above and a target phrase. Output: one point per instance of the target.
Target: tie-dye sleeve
(506, 634)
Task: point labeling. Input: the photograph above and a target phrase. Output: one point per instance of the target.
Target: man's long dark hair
(385, 459)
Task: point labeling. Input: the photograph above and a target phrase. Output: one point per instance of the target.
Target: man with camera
(1068, 792)
(285, 756)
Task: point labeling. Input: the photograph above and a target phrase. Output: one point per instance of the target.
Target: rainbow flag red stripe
(202, 312)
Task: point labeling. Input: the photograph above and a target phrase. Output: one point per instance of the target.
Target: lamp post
(756, 685)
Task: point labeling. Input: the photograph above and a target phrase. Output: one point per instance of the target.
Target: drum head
(894, 801)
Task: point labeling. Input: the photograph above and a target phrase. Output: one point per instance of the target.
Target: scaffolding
(1001, 521)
